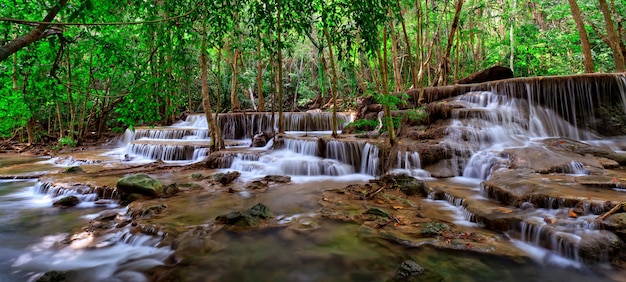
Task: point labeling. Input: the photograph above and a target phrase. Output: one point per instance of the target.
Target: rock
(378, 212)
(171, 190)
(261, 139)
(490, 74)
(277, 178)
(408, 269)
(53, 276)
(596, 247)
(154, 209)
(226, 178)
(252, 217)
(74, 169)
(409, 185)
(257, 185)
(66, 202)
(140, 184)
(616, 221)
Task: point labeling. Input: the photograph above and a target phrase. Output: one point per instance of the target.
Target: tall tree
(584, 39)
(614, 39)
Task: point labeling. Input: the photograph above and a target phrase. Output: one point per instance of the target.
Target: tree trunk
(408, 46)
(444, 64)
(34, 35)
(511, 35)
(206, 104)
(584, 39)
(333, 80)
(397, 78)
(618, 57)
(14, 75)
(382, 60)
(259, 74)
(281, 128)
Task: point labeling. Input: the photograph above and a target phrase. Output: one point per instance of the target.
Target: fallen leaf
(504, 210)
(397, 207)
(549, 220)
(380, 201)
(325, 199)
(571, 213)
(469, 246)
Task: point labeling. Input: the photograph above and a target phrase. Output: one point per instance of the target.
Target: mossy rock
(140, 184)
(249, 218)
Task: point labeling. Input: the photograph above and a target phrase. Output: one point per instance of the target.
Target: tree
(584, 39)
(614, 39)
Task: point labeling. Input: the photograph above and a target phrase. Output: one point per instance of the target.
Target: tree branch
(34, 35)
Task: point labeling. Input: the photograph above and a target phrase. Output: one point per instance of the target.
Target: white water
(31, 236)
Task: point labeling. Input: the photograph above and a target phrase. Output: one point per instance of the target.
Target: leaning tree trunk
(444, 65)
(205, 95)
(614, 39)
(584, 39)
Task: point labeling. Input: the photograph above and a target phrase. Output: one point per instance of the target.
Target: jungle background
(72, 71)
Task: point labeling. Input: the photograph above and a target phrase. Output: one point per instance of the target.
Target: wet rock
(53, 276)
(66, 202)
(407, 270)
(226, 178)
(171, 190)
(434, 228)
(74, 169)
(598, 248)
(252, 217)
(261, 139)
(409, 185)
(154, 209)
(378, 212)
(277, 178)
(616, 221)
(140, 184)
(257, 185)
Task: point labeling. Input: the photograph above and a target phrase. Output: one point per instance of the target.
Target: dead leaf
(380, 201)
(397, 207)
(504, 210)
(572, 214)
(549, 220)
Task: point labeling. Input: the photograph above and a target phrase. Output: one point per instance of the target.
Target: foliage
(362, 125)
(82, 78)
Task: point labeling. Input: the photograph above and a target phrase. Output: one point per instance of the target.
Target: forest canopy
(74, 69)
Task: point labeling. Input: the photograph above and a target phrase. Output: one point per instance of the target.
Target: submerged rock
(249, 218)
(277, 178)
(66, 202)
(227, 178)
(140, 184)
(407, 269)
(410, 186)
(53, 276)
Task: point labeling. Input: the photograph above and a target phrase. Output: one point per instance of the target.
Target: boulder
(490, 74)
(226, 178)
(140, 184)
(252, 217)
(66, 202)
(407, 270)
(409, 185)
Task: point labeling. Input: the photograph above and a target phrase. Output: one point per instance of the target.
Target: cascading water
(489, 122)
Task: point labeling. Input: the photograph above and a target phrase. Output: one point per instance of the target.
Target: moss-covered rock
(140, 184)
(249, 218)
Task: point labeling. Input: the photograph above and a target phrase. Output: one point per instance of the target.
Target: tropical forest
(321, 140)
